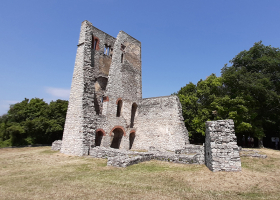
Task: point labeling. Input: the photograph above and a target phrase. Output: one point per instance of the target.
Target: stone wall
(123, 87)
(198, 150)
(124, 158)
(74, 136)
(221, 150)
(123, 67)
(88, 86)
(106, 90)
(101, 47)
(159, 123)
(106, 109)
(56, 145)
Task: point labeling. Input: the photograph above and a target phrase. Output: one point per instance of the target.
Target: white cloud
(58, 92)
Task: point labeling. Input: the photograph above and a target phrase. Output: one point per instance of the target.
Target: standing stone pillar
(80, 123)
(221, 150)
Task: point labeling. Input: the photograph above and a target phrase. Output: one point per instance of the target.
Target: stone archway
(98, 136)
(117, 135)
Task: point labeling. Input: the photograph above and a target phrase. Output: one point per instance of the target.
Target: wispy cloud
(58, 92)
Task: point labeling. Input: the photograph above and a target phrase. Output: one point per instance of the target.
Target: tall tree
(247, 92)
(255, 76)
(33, 122)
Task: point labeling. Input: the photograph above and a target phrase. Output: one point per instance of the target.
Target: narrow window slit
(95, 43)
(133, 112)
(122, 58)
(119, 108)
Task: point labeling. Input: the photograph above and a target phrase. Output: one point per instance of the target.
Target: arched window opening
(119, 108)
(133, 111)
(122, 47)
(122, 58)
(105, 99)
(131, 139)
(117, 135)
(98, 138)
(108, 51)
(94, 44)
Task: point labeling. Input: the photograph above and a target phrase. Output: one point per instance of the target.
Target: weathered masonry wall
(125, 80)
(197, 150)
(106, 107)
(221, 150)
(160, 124)
(124, 89)
(123, 158)
(88, 86)
(104, 64)
(75, 129)
(107, 116)
(102, 47)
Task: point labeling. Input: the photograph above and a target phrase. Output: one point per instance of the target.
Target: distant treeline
(33, 122)
(248, 92)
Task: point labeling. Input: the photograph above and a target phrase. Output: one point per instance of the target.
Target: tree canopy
(248, 92)
(33, 122)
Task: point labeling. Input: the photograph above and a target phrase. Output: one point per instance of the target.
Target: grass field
(39, 173)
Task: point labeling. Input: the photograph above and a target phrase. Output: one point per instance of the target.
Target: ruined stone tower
(106, 106)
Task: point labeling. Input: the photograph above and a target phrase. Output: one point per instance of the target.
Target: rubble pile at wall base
(193, 149)
(251, 153)
(219, 153)
(56, 145)
(124, 158)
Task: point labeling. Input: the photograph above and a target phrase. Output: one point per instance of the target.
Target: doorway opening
(98, 138)
(133, 111)
(117, 135)
(131, 139)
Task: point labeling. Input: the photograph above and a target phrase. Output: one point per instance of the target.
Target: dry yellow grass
(39, 173)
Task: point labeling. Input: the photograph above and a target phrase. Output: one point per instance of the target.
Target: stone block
(221, 150)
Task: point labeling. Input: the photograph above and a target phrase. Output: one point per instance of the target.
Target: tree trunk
(260, 142)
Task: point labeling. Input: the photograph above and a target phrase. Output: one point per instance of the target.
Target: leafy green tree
(33, 122)
(4, 136)
(255, 77)
(18, 111)
(247, 92)
(56, 115)
(17, 134)
(197, 105)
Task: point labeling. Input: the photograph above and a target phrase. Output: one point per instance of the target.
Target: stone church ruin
(108, 118)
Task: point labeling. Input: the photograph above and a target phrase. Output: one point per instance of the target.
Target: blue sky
(182, 41)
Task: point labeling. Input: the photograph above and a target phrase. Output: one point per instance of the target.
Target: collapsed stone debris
(251, 153)
(107, 116)
(56, 145)
(124, 158)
